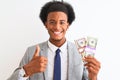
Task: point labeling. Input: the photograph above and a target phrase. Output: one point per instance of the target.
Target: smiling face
(57, 25)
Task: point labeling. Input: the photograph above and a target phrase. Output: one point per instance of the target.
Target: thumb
(36, 51)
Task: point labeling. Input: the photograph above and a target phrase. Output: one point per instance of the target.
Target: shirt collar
(63, 48)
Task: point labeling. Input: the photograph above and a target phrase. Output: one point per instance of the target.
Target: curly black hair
(57, 6)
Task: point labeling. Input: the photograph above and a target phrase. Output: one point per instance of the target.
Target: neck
(58, 43)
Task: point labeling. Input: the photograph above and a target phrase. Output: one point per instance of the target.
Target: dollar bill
(86, 46)
(90, 49)
(81, 44)
(92, 42)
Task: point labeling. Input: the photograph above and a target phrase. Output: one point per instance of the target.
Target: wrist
(22, 73)
(94, 78)
(26, 69)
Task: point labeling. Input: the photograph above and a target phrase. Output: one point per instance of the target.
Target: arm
(93, 67)
(31, 63)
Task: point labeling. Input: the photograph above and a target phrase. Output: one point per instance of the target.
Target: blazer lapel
(70, 61)
(44, 52)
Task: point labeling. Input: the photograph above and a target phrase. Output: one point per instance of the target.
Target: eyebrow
(54, 20)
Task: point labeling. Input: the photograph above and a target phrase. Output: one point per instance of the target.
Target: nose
(57, 26)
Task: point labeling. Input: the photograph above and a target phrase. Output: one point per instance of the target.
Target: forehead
(57, 15)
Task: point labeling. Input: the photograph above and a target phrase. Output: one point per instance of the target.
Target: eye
(52, 22)
(62, 22)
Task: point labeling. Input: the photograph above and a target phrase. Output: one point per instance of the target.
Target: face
(57, 25)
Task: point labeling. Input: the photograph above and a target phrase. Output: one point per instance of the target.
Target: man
(39, 61)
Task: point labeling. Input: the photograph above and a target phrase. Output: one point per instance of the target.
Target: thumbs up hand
(37, 64)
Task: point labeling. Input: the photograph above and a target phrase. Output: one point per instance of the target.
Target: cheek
(66, 28)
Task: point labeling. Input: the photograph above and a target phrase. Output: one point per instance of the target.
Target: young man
(39, 61)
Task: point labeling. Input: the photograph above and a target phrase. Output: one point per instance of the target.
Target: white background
(21, 27)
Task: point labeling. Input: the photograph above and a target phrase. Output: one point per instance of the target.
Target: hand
(37, 64)
(93, 67)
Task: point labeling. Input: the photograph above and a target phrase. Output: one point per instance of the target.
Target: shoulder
(71, 45)
(40, 44)
(31, 49)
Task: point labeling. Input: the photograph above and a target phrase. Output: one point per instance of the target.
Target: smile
(57, 33)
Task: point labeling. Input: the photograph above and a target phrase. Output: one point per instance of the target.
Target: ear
(45, 25)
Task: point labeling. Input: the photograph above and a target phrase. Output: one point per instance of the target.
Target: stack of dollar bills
(86, 46)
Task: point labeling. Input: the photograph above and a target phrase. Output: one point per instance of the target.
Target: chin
(57, 39)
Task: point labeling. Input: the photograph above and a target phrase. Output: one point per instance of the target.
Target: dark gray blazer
(76, 70)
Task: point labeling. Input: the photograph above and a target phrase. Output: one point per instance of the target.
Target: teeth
(56, 33)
